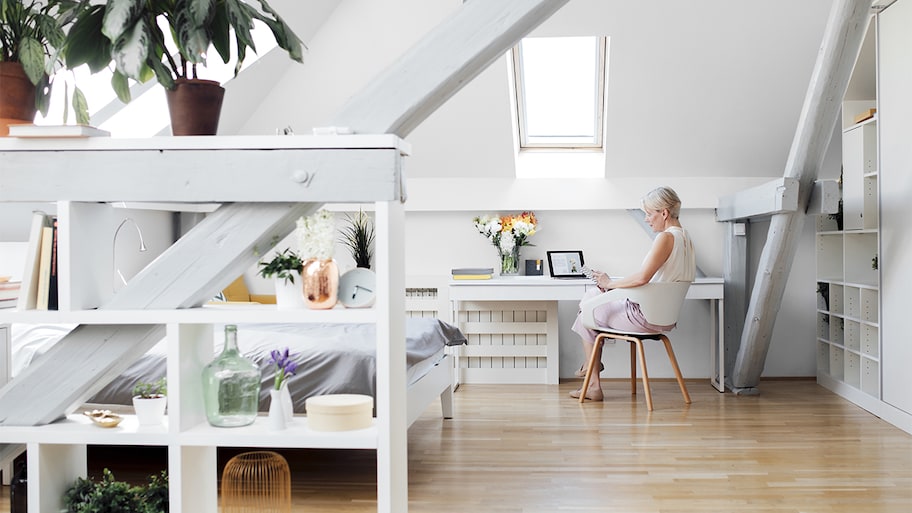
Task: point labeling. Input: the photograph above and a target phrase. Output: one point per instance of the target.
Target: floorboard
(796, 447)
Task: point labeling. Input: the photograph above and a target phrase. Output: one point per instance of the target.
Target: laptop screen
(566, 264)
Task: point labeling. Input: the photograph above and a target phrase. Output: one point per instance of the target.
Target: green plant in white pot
(149, 400)
(129, 34)
(284, 267)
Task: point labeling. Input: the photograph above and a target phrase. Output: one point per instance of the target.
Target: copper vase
(320, 280)
(17, 97)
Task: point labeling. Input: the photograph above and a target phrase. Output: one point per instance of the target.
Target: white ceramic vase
(276, 418)
(288, 294)
(150, 412)
(287, 404)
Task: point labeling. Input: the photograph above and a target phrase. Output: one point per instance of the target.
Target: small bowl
(104, 418)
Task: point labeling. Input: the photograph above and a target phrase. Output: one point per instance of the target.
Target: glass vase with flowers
(508, 234)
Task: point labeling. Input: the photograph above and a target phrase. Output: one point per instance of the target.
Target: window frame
(597, 142)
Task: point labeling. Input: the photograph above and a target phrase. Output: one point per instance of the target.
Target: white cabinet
(863, 349)
(311, 170)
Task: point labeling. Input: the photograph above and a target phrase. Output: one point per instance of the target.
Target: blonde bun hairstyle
(661, 198)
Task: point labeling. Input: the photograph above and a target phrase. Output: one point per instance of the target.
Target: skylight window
(560, 91)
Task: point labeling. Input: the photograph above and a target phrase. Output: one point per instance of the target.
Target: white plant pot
(289, 296)
(150, 412)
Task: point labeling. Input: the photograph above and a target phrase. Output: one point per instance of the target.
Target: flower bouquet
(508, 234)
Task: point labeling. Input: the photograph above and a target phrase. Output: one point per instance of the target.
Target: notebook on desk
(567, 265)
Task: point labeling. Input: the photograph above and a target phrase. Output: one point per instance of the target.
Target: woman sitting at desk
(671, 258)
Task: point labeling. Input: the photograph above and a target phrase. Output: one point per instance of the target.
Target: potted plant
(127, 33)
(283, 268)
(31, 33)
(110, 495)
(358, 237)
(149, 401)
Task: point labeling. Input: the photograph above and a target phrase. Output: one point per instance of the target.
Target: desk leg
(717, 344)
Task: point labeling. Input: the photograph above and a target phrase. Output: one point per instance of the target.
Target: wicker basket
(254, 482)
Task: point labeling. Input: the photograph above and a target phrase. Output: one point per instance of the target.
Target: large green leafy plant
(32, 33)
(112, 496)
(129, 34)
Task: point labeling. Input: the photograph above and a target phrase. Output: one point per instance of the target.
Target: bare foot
(594, 394)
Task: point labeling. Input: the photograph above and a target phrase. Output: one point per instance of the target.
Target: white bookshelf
(301, 169)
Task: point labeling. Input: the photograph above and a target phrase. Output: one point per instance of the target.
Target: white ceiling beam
(440, 64)
(776, 196)
(822, 104)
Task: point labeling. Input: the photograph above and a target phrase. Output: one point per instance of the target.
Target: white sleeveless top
(681, 264)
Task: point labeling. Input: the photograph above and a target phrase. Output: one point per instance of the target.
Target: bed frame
(425, 297)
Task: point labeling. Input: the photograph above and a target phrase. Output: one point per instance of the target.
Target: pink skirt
(620, 315)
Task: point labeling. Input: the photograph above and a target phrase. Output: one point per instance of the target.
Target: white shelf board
(296, 435)
(78, 429)
(206, 143)
(209, 314)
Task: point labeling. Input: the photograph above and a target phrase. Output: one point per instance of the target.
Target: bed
(332, 359)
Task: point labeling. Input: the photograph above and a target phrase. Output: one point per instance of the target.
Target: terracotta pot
(195, 106)
(17, 97)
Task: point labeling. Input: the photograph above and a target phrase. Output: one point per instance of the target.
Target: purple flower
(284, 365)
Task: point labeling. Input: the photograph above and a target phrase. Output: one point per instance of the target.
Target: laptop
(567, 265)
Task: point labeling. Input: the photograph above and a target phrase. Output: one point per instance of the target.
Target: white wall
(703, 96)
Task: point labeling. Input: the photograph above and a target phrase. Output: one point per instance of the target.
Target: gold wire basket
(254, 482)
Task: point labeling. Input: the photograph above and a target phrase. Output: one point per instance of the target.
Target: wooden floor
(530, 448)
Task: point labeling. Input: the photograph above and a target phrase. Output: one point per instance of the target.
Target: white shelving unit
(195, 170)
(848, 280)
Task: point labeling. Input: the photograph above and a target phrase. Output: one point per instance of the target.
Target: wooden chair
(661, 305)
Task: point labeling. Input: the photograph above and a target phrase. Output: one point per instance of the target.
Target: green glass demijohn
(231, 386)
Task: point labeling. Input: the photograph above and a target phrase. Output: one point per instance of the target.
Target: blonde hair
(661, 198)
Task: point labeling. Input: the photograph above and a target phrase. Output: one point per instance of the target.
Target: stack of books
(473, 273)
(39, 281)
(9, 292)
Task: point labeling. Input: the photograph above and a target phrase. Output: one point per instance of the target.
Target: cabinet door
(859, 151)
(896, 189)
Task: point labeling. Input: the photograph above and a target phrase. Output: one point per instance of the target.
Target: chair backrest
(660, 302)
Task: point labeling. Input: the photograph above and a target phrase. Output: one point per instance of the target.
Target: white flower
(316, 235)
(507, 242)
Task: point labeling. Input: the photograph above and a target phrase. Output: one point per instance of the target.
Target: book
(28, 293)
(44, 268)
(8, 303)
(39, 131)
(472, 276)
(473, 270)
(9, 290)
(52, 281)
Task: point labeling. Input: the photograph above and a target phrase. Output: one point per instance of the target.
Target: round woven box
(339, 412)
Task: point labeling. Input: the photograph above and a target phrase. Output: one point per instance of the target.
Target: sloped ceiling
(705, 88)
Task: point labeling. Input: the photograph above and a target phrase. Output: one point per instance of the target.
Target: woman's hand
(602, 280)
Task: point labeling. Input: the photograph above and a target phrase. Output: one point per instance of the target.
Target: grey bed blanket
(332, 358)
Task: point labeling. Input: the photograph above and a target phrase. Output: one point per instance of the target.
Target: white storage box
(339, 412)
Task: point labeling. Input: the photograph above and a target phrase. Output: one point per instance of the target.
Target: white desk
(547, 289)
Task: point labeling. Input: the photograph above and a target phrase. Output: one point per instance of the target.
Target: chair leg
(633, 368)
(639, 346)
(677, 370)
(594, 357)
